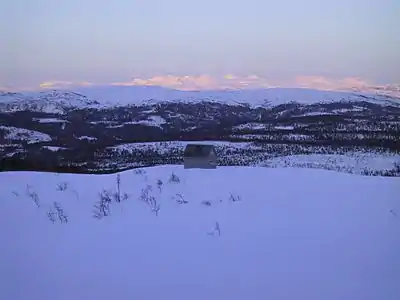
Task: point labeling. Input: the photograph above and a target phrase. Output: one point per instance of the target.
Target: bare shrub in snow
(118, 195)
(52, 216)
(102, 207)
(149, 199)
(206, 202)
(62, 186)
(124, 197)
(139, 172)
(57, 212)
(174, 178)
(159, 184)
(118, 198)
(60, 213)
(144, 195)
(216, 230)
(33, 195)
(180, 200)
(234, 198)
(154, 206)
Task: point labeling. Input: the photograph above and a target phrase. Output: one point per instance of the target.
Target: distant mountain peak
(54, 101)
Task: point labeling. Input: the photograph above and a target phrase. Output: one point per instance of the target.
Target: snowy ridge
(111, 96)
(22, 134)
(48, 102)
(145, 95)
(231, 233)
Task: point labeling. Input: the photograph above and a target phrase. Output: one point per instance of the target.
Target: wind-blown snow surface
(294, 234)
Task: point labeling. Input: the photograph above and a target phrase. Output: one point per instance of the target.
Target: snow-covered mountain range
(139, 95)
(85, 126)
(59, 101)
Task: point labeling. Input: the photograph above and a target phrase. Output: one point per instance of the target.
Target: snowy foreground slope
(230, 233)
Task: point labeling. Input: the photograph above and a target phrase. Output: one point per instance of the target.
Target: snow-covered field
(165, 147)
(54, 148)
(156, 121)
(229, 233)
(354, 162)
(50, 120)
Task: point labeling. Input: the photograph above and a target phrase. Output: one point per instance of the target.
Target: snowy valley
(94, 129)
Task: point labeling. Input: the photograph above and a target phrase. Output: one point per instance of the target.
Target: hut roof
(198, 150)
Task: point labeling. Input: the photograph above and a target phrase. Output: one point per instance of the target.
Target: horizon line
(223, 83)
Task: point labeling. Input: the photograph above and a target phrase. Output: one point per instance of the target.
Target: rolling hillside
(82, 126)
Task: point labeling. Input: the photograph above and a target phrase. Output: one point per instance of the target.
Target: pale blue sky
(104, 40)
